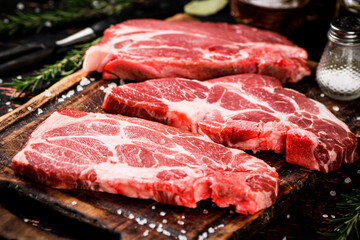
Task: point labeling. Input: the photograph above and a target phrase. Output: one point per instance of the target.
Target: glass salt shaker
(338, 72)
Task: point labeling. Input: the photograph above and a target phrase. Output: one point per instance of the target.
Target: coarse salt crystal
(357, 118)
(180, 222)
(336, 108)
(182, 237)
(322, 95)
(131, 216)
(146, 233)
(164, 221)
(73, 203)
(325, 216)
(288, 216)
(70, 93)
(205, 211)
(119, 211)
(1, 81)
(211, 230)
(6, 20)
(29, 108)
(166, 233)
(358, 171)
(102, 88)
(8, 103)
(153, 207)
(61, 100)
(332, 216)
(332, 193)
(284, 238)
(84, 81)
(141, 221)
(10, 109)
(152, 225)
(159, 228)
(183, 217)
(47, 93)
(39, 111)
(26, 220)
(347, 180)
(162, 214)
(221, 225)
(183, 231)
(79, 88)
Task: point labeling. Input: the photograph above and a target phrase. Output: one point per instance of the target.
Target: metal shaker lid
(345, 30)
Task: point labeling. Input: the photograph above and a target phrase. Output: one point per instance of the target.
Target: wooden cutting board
(129, 218)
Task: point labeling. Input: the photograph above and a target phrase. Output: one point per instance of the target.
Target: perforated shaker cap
(345, 30)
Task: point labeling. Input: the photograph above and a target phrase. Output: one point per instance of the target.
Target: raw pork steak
(146, 49)
(143, 159)
(246, 111)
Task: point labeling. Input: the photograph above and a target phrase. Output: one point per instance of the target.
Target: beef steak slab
(145, 49)
(246, 111)
(143, 159)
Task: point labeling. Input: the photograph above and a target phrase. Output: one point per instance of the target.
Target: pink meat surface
(248, 111)
(145, 49)
(143, 159)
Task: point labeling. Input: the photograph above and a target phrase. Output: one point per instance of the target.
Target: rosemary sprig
(66, 12)
(53, 72)
(350, 222)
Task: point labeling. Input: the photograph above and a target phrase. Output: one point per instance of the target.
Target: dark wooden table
(309, 214)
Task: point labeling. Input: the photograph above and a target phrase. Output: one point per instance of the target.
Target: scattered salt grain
(183, 217)
(119, 211)
(48, 24)
(205, 211)
(336, 108)
(26, 220)
(10, 110)
(322, 95)
(79, 88)
(332, 216)
(358, 171)
(92, 79)
(325, 216)
(159, 228)
(211, 230)
(182, 237)
(347, 180)
(110, 86)
(153, 207)
(203, 236)
(357, 118)
(183, 231)
(180, 222)
(146, 233)
(221, 225)
(288, 216)
(131, 216)
(164, 221)
(166, 233)
(284, 238)
(73, 203)
(152, 225)
(70, 93)
(8, 103)
(141, 221)
(332, 193)
(121, 82)
(102, 88)
(1, 81)
(162, 214)
(6, 20)
(37, 10)
(47, 93)
(20, 6)
(84, 81)
(29, 108)
(95, 4)
(39, 111)
(19, 77)
(61, 100)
